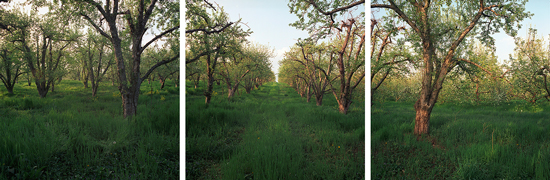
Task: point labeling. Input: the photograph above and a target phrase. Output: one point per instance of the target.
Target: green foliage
(529, 67)
(313, 18)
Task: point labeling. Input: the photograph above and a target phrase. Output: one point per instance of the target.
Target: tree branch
(157, 65)
(95, 26)
(159, 36)
(208, 32)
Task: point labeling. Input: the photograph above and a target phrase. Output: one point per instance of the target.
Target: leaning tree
(439, 27)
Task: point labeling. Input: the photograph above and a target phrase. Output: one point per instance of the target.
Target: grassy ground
(70, 135)
(509, 141)
(272, 133)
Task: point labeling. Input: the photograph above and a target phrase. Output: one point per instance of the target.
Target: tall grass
(466, 142)
(272, 133)
(70, 135)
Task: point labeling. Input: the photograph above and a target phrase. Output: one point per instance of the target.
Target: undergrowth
(71, 135)
(506, 141)
(272, 133)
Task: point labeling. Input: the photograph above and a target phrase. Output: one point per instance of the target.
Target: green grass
(508, 141)
(272, 133)
(70, 135)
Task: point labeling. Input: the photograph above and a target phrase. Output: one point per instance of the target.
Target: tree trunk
(85, 77)
(422, 121)
(130, 101)
(231, 93)
(197, 81)
(177, 81)
(208, 92)
(129, 98)
(94, 91)
(10, 89)
(343, 105)
(42, 88)
(162, 81)
(319, 99)
(210, 78)
(308, 94)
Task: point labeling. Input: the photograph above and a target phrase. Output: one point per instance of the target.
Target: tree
(530, 68)
(96, 67)
(194, 72)
(292, 72)
(316, 62)
(260, 75)
(438, 30)
(11, 64)
(386, 57)
(155, 55)
(243, 59)
(138, 17)
(209, 32)
(350, 53)
(51, 36)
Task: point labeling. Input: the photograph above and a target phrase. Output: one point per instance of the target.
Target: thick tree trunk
(248, 89)
(10, 89)
(41, 88)
(343, 105)
(129, 104)
(422, 121)
(319, 99)
(130, 101)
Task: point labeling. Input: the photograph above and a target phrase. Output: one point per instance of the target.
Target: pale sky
(540, 21)
(504, 43)
(269, 20)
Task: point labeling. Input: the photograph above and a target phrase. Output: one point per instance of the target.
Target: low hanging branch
(480, 67)
(157, 65)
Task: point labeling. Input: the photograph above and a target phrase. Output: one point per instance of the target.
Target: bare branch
(157, 65)
(95, 26)
(208, 32)
(159, 36)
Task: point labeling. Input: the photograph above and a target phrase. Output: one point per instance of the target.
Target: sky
(505, 43)
(269, 21)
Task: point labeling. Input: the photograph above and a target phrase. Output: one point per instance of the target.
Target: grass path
(272, 133)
